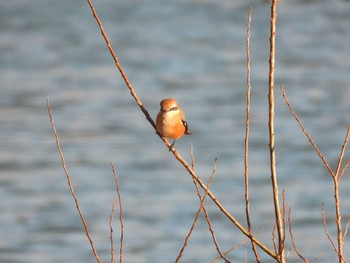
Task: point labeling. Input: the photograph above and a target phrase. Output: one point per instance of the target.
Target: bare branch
(191, 229)
(197, 213)
(172, 149)
(69, 181)
(116, 61)
(230, 250)
(342, 154)
(271, 100)
(274, 237)
(111, 229)
(344, 168)
(202, 199)
(346, 228)
(120, 214)
(326, 229)
(207, 216)
(305, 132)
(192, 158)
(292, 238)
(246, 146)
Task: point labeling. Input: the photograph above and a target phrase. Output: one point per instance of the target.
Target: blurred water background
(193, 51)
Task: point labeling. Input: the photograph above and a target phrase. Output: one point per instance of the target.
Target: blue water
(193, 51)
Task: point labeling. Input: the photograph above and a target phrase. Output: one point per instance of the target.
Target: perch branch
(173, 150)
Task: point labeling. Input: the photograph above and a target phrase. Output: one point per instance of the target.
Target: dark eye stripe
(173, 108)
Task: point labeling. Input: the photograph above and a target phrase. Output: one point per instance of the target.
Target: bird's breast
(169, 126)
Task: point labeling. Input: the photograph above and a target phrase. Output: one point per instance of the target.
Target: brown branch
(230, 250)
(246, 145)
(335, 175)
(342, 155)
(274, 237)
(188, 235)
(271, 100)
(120, 214)
(336, 181)
(346, 228)
(292, 238)
(338, 219)
(63, 162)
(173, 150)
(197, 213)
(116, 61)
(284, 215)
(305, 132)
(111, 229)
(207, 216)
(344, 168)
(326, 229)
(202, 200)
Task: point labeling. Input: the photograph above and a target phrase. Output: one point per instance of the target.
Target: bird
(171, 122)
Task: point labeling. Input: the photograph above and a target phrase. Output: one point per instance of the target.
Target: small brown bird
(171, 121)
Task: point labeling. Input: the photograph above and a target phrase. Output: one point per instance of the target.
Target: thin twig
(274, 237)
(246, 145)
(305, 132)
(116, 60)
(111, 229)
(207, 216)
(63, 162)
(271, 99)
(335, 176)
(197, 213)
(344, 168)
(120, 214)
(284, 215)
(346, 228)
(336, 179)
(342, 154)
(338, 219)
(188, 235)
(192, 157)
(326, 229)
(230, 250)
(292, 238)
(202, 199)
(173, 150)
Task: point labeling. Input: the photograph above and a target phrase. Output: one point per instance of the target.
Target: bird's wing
(182, 115)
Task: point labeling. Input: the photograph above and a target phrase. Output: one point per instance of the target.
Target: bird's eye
(173, 108)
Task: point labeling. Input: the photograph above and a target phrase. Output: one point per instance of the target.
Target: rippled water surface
(193, 51)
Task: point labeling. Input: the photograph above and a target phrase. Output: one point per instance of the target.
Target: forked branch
(173, 150)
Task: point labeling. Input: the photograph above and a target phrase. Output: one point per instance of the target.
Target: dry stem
(336, 179)
(173, 150)
(111, 229)
(292, 238)
(305, 132)
(326, 229)
(69, 181)
(202, 206)
(246, 145)
(120, 214)
(271, 100)
(230, 250)
(341, 156)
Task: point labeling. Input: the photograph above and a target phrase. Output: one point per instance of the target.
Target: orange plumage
(171, 121)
